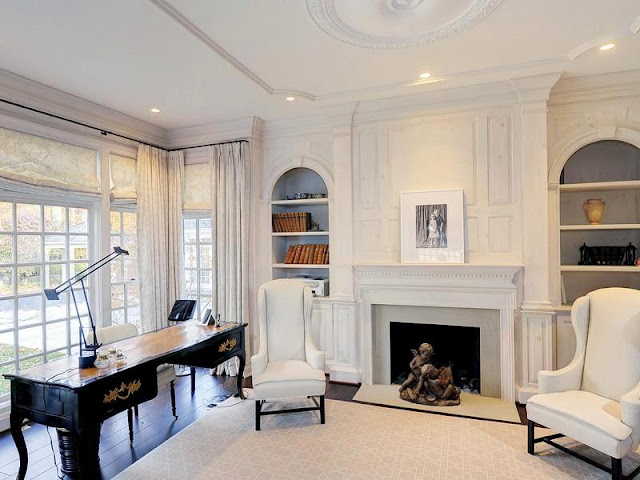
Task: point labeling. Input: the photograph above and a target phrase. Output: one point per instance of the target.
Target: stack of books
(291, 221)
(308, 254)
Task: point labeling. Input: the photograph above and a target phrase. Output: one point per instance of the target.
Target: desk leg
(240, 379)
(16, 432)
(87, 444)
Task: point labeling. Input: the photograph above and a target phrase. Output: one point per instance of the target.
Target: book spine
(297, 253)
(307, 221)
(298, 222)
(305, 257)
(287, 258)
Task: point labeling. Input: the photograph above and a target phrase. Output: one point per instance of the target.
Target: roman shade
(123, 179)
(197, 187)
(41, 162)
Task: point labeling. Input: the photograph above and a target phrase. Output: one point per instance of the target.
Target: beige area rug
(358, 442)
(473, 406)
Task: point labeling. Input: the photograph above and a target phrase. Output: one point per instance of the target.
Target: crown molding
(535, 88)
(595, 87)
(239, 129)
(48, 99)
(449, 100)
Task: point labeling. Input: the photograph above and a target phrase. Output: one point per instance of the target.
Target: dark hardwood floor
(152, 427)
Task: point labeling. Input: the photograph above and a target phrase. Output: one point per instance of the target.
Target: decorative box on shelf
(603, 255)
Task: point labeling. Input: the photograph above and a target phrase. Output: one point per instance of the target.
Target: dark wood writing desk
(80, 400)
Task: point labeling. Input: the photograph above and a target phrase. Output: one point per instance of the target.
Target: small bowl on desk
(120, 359)
(102, 359)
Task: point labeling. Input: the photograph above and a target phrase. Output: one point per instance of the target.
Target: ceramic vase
(594, 208)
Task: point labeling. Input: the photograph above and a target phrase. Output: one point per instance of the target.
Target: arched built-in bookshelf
(287, 211)
(607, 170)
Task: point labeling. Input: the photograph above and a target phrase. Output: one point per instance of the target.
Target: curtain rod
(108, 132)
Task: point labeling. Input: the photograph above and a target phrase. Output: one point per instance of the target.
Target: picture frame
(432, 226)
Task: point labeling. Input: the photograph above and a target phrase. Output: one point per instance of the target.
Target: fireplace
(455, 346)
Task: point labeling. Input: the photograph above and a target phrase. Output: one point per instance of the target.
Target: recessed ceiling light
(425, 75)
(155, 110)
(608, 46)
(290, 99)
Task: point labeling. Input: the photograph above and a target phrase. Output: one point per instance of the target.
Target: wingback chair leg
(193, 380)
(531, 438)
(258, 408)
(172, 390)
(322, 409)
(616, 469)
(130, 419)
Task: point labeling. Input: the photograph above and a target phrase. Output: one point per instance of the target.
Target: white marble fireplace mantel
(497, 287)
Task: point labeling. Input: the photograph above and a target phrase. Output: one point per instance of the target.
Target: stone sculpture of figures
(428, 384)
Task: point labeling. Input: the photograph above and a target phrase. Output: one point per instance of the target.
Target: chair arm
(259, 362)
(314, 357)
(631, 412)
(567, 378)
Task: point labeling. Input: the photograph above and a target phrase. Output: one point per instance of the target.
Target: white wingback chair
(596, 398)
(287, 363)
(166, 373)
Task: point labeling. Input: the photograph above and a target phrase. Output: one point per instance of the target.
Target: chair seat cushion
(288, 378)
(585, 417)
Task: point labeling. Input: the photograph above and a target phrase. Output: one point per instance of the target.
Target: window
(198, 261)
(41, 245)
(125, 289)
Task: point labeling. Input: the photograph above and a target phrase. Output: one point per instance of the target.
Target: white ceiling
(201, 61)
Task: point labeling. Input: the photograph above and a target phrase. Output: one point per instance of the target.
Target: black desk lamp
(87, 352)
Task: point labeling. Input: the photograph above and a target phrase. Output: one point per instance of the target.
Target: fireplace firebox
(455, 346)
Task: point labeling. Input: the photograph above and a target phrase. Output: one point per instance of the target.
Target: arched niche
(298, 180)
(602, 161)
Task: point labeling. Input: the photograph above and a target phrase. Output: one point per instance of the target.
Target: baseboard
(525, 393)
(344, 374)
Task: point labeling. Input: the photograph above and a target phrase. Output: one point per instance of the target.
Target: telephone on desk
(209, 319)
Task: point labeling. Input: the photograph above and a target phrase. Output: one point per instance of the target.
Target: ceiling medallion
(397, 23)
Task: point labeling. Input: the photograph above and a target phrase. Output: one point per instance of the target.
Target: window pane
(206, 260)
(129, 223)
(6, 314)
(117, 296)
(206, 282)
(30, 362)
(29, 310)
(117, 317)
(133, 295)
(57, 335)
(55, 248)
(56, 355)
(57, 309)
(6, 347)
(29, 279)
(29, 249)
(189, 230)
(79, 248)
(29, 341)
(190, 256)
(78, 220)
(116, 271)
(205, 230)
(115, 241)
(28, 218)
(205, 302)
(130, 270)
(5, 384)
(77, 268)
(6, 249)
(6, 281)
(191, 280)
(54, 275)
(130, 244)
(114, 222)
(6, 216)
(55, 219)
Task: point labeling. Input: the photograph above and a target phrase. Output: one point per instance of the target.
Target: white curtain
(176, 263)
(159, 183)
(230, 215)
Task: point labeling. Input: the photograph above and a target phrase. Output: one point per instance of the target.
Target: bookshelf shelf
(323, 266)
(303, 234)
(308, 201)
(600, 268)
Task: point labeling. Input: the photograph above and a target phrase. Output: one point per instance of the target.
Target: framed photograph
(432, 226)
